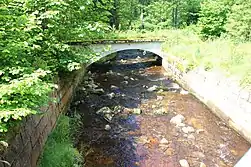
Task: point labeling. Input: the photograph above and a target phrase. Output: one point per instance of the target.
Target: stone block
(36, 150)
(53, 119)
(17, 163)
(26, 154)
(15, 148)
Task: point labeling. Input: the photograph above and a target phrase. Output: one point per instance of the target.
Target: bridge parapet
(116, 41)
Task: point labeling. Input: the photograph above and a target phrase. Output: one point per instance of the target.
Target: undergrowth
(59, 150)
(224, 54)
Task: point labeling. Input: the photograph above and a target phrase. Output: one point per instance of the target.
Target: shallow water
(138, 131)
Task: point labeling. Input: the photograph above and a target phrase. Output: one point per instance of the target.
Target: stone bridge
(105, 48)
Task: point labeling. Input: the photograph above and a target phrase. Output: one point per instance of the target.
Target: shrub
(59, 150)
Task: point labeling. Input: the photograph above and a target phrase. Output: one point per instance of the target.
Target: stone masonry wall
(27, 144)
(222, 95)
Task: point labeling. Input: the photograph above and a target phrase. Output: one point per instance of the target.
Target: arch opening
(135, 54)
(130, 58)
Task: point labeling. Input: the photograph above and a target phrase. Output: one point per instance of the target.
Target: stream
(132, 114)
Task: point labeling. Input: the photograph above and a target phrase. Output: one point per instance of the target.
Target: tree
(33, 50)
(213, 17)
(239, 20)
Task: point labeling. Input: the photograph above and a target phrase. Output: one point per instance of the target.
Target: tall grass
(59, 150)
(231, 57)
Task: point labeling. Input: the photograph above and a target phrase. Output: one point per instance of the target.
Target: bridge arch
(107, 49)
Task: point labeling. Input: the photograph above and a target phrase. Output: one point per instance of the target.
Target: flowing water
(126, 105)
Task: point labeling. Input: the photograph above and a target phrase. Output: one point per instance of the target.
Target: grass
(231, 57)
(59, 150)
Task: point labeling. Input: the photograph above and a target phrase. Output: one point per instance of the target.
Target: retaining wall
(222, 95)
(29, 137)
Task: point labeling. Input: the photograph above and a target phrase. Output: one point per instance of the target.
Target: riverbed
(133, 114)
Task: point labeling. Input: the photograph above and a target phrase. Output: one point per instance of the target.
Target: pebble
(199, 131)
(191, 137)
(110, 72)
(160, 91)
(184, 92)
(111, 95)
(169, 151)
(180, 125)
(98, 91)
(160, 97)
(153, 88)
(164, 141)
(175, 86)
(184, 163)
(113, 87)
(137, 111)
(109, 117)
(126, 77)
(108, 127)
(104, 110)
(177, 119)
(198, 154)
(188, 129)
(202, 164)
(125, 82)
(160, 111)
(123, 61)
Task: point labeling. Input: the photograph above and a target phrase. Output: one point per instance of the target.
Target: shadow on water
(115, 147)
(134, 127)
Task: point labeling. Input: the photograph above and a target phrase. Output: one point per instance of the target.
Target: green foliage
(213, 17)
(22, 96)
(239, 20)
(153, 14)
(59, 150)
(158, 15)
(223, 54)
(33, 50)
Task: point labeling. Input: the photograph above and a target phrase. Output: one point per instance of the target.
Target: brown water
(137, 130)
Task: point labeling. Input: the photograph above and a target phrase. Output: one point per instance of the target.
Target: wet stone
(188, 129)
(111, 95)
(125, 82)
(202, 164)
(137, 111)
(177, 119)
(198, 154)
(104, 110)
(153, 88)
(113, 87)
(163, 141)
(98, 91)
(169, 151)
(108, 127)
(191, 137)
(184, 163)
(159, 111)
(184, 92)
